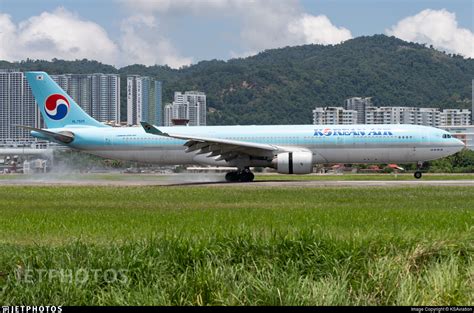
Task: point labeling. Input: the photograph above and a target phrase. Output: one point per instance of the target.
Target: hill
(282, 86)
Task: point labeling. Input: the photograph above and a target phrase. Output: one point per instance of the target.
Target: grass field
(236, 246)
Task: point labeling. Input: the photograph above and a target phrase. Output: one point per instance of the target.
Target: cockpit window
(446, 136)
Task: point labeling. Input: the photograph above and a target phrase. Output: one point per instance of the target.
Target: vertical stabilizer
(57, 107)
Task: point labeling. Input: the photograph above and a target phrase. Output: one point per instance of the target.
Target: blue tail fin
(57, 107)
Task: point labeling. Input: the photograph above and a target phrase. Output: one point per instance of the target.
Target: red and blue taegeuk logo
(57, 106)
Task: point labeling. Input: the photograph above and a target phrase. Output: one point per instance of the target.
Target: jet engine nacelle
(299, 162)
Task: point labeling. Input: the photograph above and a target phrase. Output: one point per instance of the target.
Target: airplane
(290, 149)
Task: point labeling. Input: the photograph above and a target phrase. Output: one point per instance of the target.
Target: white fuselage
(328, 143)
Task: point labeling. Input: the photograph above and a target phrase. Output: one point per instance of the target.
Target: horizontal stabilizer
(63, 136)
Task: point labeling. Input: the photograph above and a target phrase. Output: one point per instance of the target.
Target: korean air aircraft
(290, 149)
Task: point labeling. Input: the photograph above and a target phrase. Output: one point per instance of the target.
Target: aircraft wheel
(246, 176)
(417, 174)
(232, 177)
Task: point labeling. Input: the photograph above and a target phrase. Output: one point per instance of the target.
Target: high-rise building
(418, 116)
(403, 115)
(189, 106)
(174, 111)
(17, 107)
(97, 94)
(334, 116)
(168, 115)
(106, 97)
(360, 105)
(144, 100)
(427, 117)
(389, 115)
(158, 92)
(196, 110)
(455, 117)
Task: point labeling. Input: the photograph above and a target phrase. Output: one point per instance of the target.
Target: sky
(183, 32)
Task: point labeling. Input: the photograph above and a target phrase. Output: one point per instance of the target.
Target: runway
(361, 183)
(209, 182)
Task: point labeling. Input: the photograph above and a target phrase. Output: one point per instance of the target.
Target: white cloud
(318, 29)
(142, 44)
(59, 34)
(7, 37)
(265, 24)
(438, 28)
(63, 35)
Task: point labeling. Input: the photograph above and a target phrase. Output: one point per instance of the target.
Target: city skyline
(358, 110)
(99, 95)
(17, 107)
(96, 93)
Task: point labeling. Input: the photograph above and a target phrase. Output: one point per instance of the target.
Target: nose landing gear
(244, 175)
(418, 172)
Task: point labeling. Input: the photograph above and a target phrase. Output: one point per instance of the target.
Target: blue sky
(180, 32)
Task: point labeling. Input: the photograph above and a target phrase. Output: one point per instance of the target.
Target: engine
(299, 162)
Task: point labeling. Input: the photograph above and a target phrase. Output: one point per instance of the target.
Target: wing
(224, 149)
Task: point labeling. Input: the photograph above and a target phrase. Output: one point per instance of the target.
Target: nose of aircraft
(459, 145)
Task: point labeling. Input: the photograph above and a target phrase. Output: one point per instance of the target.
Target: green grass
(237, 246)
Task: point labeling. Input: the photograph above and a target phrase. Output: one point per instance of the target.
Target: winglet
(152, 129)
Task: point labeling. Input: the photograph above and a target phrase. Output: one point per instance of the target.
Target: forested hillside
(282, 86)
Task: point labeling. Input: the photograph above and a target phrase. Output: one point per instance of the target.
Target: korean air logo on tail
(57, 107)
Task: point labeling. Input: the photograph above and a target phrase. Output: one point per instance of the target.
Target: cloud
(63, 35)
(7, 37)
(59, 34)
(438, 28)
(141, 43)
(264, 24)
(318, 29)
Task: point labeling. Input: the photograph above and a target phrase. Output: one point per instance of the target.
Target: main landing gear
(418, 173)
(244, 175)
